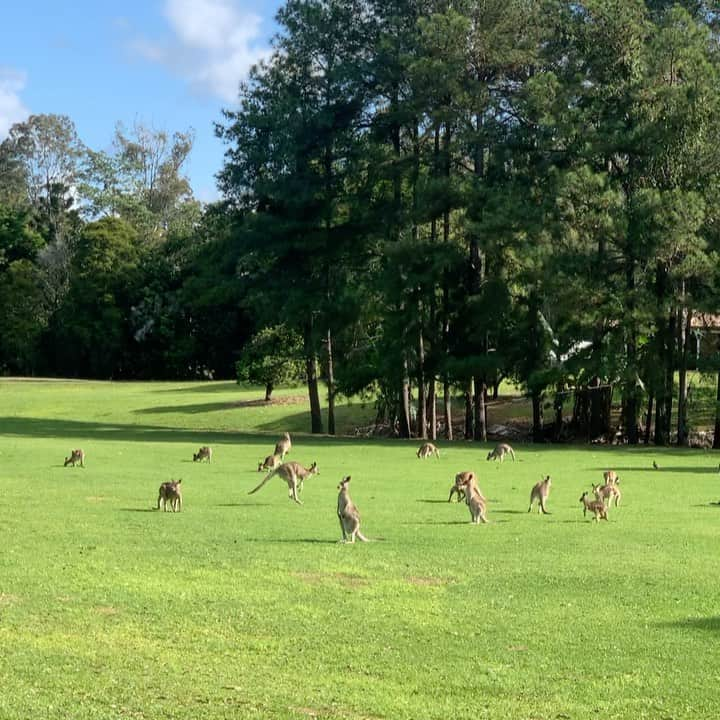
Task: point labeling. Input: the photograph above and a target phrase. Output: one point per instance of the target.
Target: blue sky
(170, 64)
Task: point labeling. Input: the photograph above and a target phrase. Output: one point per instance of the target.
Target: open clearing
(247, 607)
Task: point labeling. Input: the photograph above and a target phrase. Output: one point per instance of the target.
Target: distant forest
(420, 198)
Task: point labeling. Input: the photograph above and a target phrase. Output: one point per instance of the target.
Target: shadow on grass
(237, 505)
(510, 512)
(293, 541)
(434, 502)
(437, 522)
(198, 408)
(139, 510)
(209, 387)
(79, 429)
(711, 624)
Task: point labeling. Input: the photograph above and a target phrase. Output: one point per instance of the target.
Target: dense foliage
(432, 195)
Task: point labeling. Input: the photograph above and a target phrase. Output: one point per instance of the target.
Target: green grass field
(247, 607)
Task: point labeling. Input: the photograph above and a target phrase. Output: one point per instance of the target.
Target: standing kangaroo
(76, 456)
(539, 494)
(426, 450)
(204, 453)
(596, 507)
(606, 493)
(475, 502)
(461, 480)
(283, 446)
(170, 492)
(500, 451)
(348, 514)
(610, 477)
(294, 474)
(269, 463)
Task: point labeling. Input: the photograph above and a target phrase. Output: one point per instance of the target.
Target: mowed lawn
(246, 606)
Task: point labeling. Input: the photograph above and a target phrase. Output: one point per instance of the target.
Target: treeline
(436, 195)
(109, 267)
(426, 197)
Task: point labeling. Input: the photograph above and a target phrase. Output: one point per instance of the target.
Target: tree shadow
(86, 431)
(711, 624)
(663, 469)
(212, 386)
(293, 541)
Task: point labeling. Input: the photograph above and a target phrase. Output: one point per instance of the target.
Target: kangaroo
(76, 456)
(204, 453)
(475, 502)
(610, 477)
(293, 474)
(283, 446)
(426, 450)
(461, 480)
(348, 514)
(607, 493)
(539, 493)
(269, 463)
(500, 451)
(170, 492)
(597, 507)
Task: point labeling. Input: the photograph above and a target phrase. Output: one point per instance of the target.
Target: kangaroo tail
(264, 480)
(360, 536)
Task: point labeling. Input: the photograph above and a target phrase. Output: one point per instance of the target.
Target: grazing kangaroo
(461, 480)
(428, 449)
(294, 474)
(539, 493)
(170, 492)
(283, 446)
(607, 493)
(597, 507)
(76, 456)
(348, 514)
(269, 463)
(500, 451)
(204, 453)
(610, 477)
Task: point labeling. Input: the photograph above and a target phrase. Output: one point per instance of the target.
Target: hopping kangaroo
(607, 493)
(348, 514)
(426, 450)
(170, 492)
(540, 493)
(461, 481)
(500, 451)
(76, 456)
(596, 507)
(204, 453)
(293, 474)
(269, 463)
(283, 446)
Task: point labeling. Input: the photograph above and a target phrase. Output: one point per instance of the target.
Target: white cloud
(214, 44)
(12, 109)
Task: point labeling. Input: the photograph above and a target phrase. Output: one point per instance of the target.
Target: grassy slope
(245, 606)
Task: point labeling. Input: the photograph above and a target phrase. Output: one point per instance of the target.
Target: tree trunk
(716, 435)
(405, 401)
(312, 380)
(631, 400)
(480, 410)
(537, 431)
(330, 385)
(469, 410)
(432, 407)
(683, 437)
(422, 405)
(447, 398)
(268, 391)
(648, 417)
